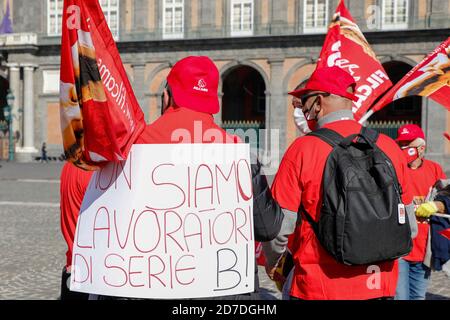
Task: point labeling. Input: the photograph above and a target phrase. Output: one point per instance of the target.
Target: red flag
(100, 116)
(430, 78)
(446, 233)
(259, 254)
(346, 47)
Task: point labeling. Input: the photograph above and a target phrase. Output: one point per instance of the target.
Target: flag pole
(442, 215)
(365, 117)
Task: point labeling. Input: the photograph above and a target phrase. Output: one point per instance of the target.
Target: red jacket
(181, 125)
(298, 181)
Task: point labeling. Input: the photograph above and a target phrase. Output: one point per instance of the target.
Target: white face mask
(300, 122)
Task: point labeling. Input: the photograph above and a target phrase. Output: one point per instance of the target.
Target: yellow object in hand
(425, 210)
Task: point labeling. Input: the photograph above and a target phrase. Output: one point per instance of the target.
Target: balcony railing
(140, 33)
(388, 128)
(248, 131)
(18, 39)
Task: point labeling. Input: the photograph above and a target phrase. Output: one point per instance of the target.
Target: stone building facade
(262, 48)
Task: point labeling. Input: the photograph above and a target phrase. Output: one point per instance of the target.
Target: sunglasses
(315, 94)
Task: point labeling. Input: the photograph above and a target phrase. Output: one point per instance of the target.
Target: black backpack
(359, 219)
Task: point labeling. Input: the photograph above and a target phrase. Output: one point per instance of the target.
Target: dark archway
(407, 109)
(4, 87)
(244, 97)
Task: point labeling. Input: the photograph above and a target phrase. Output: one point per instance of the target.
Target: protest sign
(172, 221)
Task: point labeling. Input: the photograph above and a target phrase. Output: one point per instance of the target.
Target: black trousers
(66, 294)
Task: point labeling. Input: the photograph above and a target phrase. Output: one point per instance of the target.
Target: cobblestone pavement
(32, 250)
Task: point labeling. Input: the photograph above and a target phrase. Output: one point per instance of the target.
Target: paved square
(32, 249)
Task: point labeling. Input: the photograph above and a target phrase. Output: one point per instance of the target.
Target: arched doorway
(400, 112)
(406, 109)
(4, 120)
(244, 97)
(4, 86)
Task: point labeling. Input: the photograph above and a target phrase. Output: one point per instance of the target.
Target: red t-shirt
(181, 125)
(74, 182)
(422, 180)
(317, 275)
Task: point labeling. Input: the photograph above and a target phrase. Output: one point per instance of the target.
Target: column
(140, 16)
(25, 154)
(139, 86)
(14, 85)
(434, 118)
(276, 112)
(279, 17)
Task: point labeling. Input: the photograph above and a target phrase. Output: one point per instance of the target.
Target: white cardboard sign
(172, 221)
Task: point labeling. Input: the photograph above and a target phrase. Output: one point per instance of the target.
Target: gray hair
(421, 142)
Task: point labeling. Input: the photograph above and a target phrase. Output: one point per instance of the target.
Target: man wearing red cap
(189, 101)
(414, 269)
(327, 99)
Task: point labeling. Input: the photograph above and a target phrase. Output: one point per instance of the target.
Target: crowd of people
(347, 215)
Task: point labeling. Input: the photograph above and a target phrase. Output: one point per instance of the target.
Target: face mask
(301, 122)
(411, 154)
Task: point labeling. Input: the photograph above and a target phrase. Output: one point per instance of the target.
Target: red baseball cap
(194, 82)
(409, 132)
(447, 136)
(329, 79)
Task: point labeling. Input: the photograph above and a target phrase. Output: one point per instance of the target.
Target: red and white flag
(100, 116)
(430, 78)
(346, 47)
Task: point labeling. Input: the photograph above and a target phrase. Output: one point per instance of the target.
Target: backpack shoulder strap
(370, 134)
(313, 224)
(329, 136)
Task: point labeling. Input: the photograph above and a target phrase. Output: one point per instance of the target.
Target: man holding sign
(177, 221)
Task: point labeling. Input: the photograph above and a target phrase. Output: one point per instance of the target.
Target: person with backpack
(344, 190)
(414, 269)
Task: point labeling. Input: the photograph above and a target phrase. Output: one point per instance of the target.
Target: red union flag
(100, 116)
(346, 47)
(430, 78)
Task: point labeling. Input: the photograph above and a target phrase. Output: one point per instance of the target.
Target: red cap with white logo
(194, 82)
(410, 132)
(329, 79)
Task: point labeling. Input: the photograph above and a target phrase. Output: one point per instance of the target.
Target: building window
(55, 11)
(395, 14)
(242, 17)
(111, 11)
(173, 19)
(51, 81)
(315, 16)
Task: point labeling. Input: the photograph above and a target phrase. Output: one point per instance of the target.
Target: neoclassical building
(262, 48)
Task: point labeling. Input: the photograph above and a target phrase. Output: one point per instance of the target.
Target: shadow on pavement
(431, 296)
